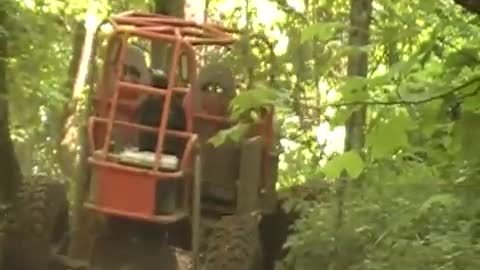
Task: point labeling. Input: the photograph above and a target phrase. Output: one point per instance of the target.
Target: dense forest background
(377, 103)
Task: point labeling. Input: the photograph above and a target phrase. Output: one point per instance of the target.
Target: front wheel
(234, 244)
(129, 244)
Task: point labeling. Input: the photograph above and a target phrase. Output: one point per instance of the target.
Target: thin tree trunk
(160, 50)
(76, 130)
(64, 150)
(360, 14)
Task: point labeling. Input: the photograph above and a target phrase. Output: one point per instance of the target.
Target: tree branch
(415, 102)
(470, 5)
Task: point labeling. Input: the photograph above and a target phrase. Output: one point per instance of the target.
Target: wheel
(130, 244)
(233, 244)
(38, 224)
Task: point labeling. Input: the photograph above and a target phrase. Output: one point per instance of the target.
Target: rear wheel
(39, 224)
(234, 244)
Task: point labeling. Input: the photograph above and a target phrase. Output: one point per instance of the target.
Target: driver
(150, 112)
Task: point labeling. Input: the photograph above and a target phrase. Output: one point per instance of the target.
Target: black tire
(132, 244)
(39, 222)
(233, 244)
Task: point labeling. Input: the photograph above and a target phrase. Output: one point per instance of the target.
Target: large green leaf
(353, 89)
(341, 115)
(428, 120)
(389, 135)
(257, 98)
(235, 133)
(349, 161)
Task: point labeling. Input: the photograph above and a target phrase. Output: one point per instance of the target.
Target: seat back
(135, 70)
(212, 94)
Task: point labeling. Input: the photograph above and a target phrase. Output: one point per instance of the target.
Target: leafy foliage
(246, 109)
(408, 202)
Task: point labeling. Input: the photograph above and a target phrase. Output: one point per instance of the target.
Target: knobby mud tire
(234, 244)
(130, 244)
(38, 221)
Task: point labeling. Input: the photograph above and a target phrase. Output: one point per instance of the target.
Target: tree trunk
(470, 5)
(360, 14)
(9, 167)
(65, 154)
(76, 138)
(161, 50)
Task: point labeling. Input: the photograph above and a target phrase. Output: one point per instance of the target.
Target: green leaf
(353, 89)
(471, 103)
(387, 137)
(238, 131)
(429, 112)
(235, 133)
(446, 199)
(341, 115)
(260, 97)
(403, 66)
(353, 83)
(466, 133)
(462, 57)
(219, 138)
(323, 31)
(349, 161)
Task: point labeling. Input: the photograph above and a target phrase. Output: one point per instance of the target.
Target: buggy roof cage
(170, 28)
